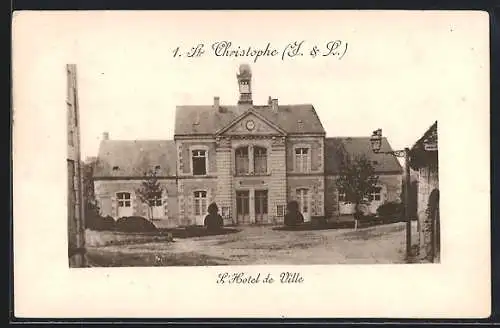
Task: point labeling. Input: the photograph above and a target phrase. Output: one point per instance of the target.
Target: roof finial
(245, 69)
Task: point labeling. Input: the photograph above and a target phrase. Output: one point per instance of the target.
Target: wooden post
(76, 251)
(407, 204)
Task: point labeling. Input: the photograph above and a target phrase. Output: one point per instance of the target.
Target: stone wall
(316, 146)
(186, 189)
(331, 197)
(315, 186)
(105, 193)
(427, 182)
(278, 182)
(224, 193)
(391, 187)
(184, 155)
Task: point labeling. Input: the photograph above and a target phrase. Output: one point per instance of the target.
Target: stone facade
(222, 181)
(76, 237)
(428, 181)
(106, 193)
(391, 187)
(424, 161)
(249, 159)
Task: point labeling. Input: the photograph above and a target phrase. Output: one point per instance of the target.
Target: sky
(398, 79)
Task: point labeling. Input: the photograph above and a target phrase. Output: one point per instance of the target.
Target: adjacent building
(424, 160)
(76, 227)
(250, 159)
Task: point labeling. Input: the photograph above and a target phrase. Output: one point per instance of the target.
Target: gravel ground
(263, 245)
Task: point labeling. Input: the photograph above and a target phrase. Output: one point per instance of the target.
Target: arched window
(242, 161)
(260, 160)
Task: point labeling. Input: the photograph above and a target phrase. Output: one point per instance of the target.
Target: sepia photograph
(316, 160)
(241, 181)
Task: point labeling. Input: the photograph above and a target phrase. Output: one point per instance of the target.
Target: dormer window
(300, 124)
(115, 168)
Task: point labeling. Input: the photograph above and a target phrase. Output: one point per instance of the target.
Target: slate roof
(419, 157)
(336, 148)
(210, 119)
(134, 157)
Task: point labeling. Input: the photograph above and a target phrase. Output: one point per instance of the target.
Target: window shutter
(190, 211)
(133, 201)
(308, 161)
(165, 202)
(114, 209)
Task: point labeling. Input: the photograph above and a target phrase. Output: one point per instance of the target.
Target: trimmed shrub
(293, 216)
(390, 210)
(99, 223)
(134, 224)
(318, 221)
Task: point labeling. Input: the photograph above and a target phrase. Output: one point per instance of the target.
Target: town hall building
(250, 159)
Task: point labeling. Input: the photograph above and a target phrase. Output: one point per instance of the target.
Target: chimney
(105, 136)
(217, 103)
(269, 101)
(274, 104)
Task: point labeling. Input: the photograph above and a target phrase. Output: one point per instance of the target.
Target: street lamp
(376, 143)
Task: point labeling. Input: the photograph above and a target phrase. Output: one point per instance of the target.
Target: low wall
(105, 238)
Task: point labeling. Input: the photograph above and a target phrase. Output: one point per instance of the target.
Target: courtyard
(257, 245)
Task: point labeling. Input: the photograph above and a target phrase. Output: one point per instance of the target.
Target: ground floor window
(375, 194)
(123, 199)
(200, 202)
(225, 212)
(155, 199)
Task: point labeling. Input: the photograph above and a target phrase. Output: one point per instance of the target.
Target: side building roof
(338, 147)
(132, 158)
(419, 155)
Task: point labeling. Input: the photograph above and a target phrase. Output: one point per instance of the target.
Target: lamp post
(376, 143)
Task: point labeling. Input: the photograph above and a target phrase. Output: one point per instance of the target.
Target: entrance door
(124, 204)
(260, 206)
(242, 206)
(304, 204)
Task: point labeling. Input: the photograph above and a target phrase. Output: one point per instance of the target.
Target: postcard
(289, 164)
